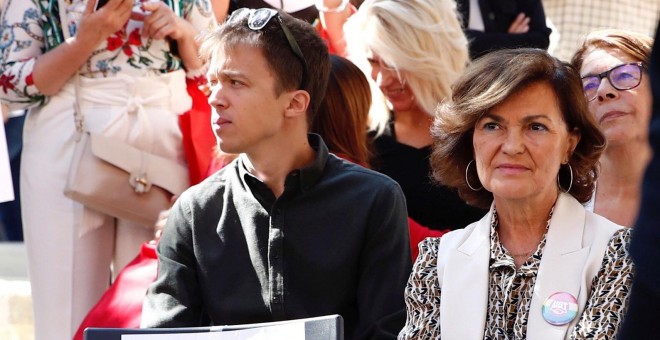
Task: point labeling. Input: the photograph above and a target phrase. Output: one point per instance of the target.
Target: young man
(287, 230)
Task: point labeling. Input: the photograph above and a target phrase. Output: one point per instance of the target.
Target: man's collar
(312, 173)
(309, 175)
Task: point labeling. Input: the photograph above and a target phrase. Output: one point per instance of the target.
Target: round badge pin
(559, 308)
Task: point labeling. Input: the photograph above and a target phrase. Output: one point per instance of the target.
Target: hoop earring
(467, 181)
(570, 185)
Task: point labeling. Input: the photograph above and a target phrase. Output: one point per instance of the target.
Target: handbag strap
(78, 117)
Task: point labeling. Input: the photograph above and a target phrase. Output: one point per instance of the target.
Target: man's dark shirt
(335, 242)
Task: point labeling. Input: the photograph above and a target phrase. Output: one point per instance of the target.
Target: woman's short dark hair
(490, 81)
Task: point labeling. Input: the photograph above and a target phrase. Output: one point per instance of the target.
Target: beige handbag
(117, 179)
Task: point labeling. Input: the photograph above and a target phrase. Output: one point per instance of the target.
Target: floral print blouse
(30, 28)
(510, 292)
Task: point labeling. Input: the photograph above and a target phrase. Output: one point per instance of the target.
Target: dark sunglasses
(622, 77)
(259, 18)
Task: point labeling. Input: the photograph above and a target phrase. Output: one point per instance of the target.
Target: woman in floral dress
(131, 60)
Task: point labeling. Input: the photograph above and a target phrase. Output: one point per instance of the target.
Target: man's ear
(298, 103)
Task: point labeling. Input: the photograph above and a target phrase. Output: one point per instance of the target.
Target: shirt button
(276, 299)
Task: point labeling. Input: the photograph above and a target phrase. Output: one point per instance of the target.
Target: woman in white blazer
(517, 137)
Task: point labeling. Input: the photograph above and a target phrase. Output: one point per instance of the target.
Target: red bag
(121, 305)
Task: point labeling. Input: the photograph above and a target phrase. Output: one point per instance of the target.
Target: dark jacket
(641, 321)
(498, 16)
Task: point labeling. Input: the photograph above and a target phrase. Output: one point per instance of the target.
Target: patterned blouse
(510, 292)
(30, 28)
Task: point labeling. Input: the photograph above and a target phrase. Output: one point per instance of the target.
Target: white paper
(288, 331)
(6, 187)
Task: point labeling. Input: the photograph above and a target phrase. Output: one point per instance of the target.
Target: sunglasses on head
(259, 18)
(621, 77)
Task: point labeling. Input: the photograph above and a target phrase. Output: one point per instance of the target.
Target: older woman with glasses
(517, 137)
(613, 65)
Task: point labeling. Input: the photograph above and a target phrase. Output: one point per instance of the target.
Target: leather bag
(119, 180)
(112, 177)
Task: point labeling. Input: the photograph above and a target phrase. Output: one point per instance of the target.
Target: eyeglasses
(622, 77)
(259, 18)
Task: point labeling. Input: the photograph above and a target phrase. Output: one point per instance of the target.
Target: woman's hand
(95, 26)
(520, 24)
(161, 22)
(160, 223)
(54, 68)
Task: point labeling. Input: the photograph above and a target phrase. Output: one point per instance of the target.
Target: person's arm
(641, 320)
(174, 299)
(28, 74)
(220, 10)
(5, 113)
(608, 298)
(333, 15)
(538, 34)
(162, 22)
(386, 265)
(422, 295)
(53, 69)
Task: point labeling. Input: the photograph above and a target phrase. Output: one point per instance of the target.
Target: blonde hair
(422, 39)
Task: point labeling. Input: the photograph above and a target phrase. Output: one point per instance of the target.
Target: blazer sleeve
(422, 295)
(497, 16)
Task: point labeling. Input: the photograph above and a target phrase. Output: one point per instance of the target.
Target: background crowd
(437, 95)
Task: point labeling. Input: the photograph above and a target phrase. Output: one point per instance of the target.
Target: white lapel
(561, 268)
(464, 298)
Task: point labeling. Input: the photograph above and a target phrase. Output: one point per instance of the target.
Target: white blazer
(575, 245)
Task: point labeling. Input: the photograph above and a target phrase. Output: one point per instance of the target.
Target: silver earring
(468, 181)
(570, 185)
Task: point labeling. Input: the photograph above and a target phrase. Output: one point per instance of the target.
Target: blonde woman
(415, 50)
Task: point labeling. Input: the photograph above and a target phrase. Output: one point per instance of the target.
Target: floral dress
(33, 27)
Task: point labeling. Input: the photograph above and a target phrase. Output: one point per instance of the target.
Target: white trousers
(71, 249)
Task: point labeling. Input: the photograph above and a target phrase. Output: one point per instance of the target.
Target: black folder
(330, 327)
